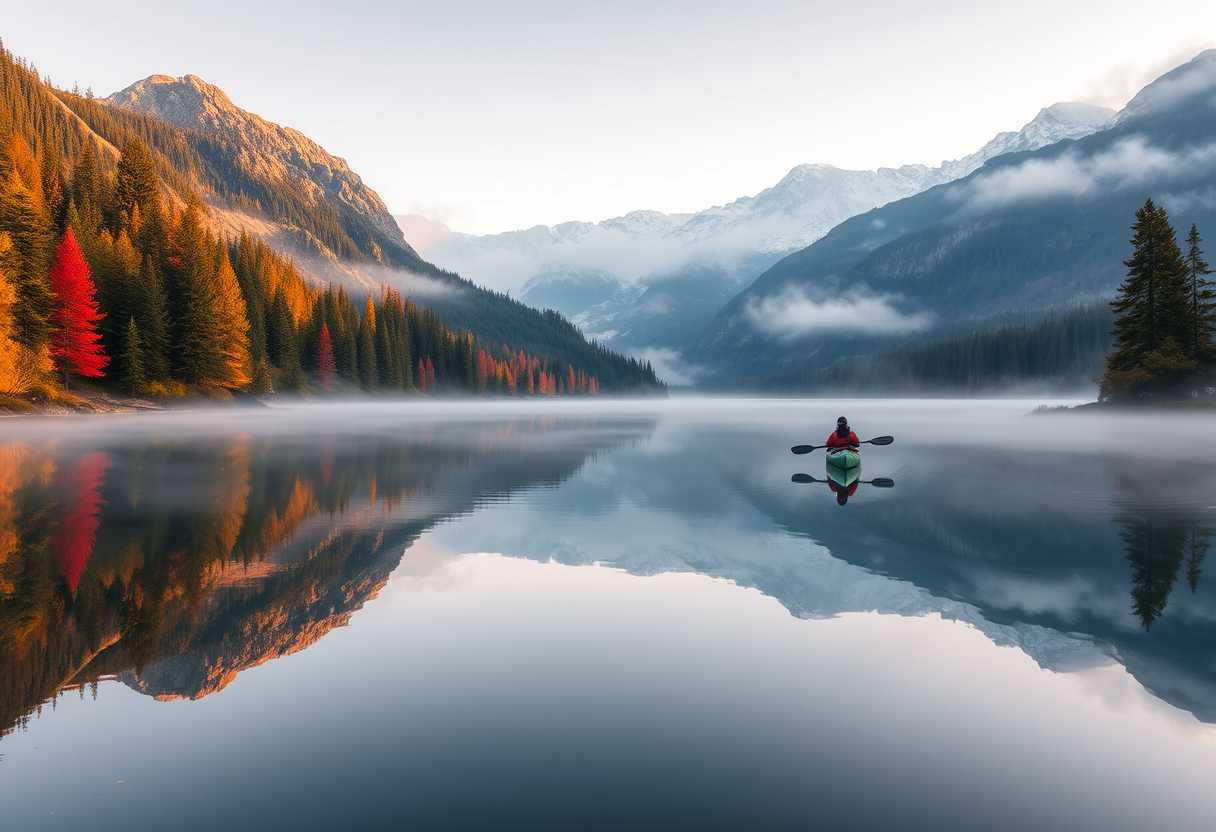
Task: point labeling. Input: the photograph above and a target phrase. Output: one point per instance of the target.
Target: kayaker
(843, 437)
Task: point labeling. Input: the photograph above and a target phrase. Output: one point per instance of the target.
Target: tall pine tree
(1151, 314)
(1201, 300)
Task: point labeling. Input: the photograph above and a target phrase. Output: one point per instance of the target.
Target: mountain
(1026, 233)
(254, 150)
(655, 280)
(60, 156)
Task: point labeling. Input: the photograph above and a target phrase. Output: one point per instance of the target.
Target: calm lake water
(600, 614)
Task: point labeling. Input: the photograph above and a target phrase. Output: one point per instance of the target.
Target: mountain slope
(1027, 232)
(672, 272)
(277, 184)
(328, 201)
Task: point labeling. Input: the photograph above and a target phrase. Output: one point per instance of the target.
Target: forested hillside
(113, 266)
(1065, 351)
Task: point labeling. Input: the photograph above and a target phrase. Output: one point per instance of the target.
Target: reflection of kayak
(843, 458)
(844, 477)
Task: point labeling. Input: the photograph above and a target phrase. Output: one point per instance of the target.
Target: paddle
(877, 482)
(877, 440)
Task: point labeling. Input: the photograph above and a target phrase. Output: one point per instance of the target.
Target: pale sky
(505, 115)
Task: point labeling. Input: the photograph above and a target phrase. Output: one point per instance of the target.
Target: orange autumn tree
(75, 339)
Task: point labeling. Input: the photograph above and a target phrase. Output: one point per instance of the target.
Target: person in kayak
(843, 437)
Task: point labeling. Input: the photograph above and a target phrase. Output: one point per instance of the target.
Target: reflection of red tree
(73, 539)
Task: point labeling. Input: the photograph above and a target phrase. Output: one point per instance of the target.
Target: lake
(602, 614)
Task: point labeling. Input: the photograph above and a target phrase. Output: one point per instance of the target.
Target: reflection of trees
(175, 566)
(1160, 533)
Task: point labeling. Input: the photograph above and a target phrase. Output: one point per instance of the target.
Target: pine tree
(261, 384)
(137, 183)
(23, 216)
(368, 374)
(13, 378)
(1201, 299)
(153, 319)
(325, 360)
(197, 335)
(133, 377)
(1151, 313)
(75, 340)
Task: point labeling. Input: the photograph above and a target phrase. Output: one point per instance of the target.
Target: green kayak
(844, 459)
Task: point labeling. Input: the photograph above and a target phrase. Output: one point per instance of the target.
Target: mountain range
(1027, 233)
(653, 280)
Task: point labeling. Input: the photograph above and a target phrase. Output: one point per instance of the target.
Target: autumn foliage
(75, 340)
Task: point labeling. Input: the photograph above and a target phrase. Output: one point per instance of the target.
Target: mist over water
(605, 612)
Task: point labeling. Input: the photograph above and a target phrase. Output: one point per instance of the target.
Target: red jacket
(836, 441)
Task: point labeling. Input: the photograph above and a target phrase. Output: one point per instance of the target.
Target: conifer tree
(75, 340)
(137, 184)
(133, 377)
(198, 334)
(262, 385)
(14, 376)
(368, 374)
(1201, 299)
(23, 216)
(86, 190)
(233, 326)
(153, 319)
(1151, 312)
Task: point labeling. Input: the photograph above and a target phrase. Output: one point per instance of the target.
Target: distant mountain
(1025, 233)
(655, 280)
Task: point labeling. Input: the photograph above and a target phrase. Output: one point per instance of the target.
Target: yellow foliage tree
(233, 324)
(20, 367)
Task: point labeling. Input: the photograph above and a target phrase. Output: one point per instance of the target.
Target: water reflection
(174, 565)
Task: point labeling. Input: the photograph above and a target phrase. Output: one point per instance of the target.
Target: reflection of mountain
(1026, 555)
(1028, 551)
(208, 558)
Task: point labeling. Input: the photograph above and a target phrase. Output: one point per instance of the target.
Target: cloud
(793, 314)
(1130, 162)
(1196, 77)
(1118, 85)
(670, 366)
(408, 283)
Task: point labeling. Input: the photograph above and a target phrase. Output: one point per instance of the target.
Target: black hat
(842, 421)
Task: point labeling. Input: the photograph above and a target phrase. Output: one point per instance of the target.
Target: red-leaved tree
(75, 341)
(325, 360)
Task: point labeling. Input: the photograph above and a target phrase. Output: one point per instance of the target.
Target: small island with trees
(1165, 320)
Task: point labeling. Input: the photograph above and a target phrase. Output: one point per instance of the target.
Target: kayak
(843, 477)
(844, 458)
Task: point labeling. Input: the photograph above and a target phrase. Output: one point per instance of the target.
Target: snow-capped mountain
(653, 279)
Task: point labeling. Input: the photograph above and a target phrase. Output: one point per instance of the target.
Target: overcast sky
(505, 115)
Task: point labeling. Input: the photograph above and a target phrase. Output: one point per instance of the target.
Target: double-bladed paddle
(877, 482)
(877, 440)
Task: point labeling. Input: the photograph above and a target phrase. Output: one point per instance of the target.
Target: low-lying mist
(1004, 423)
